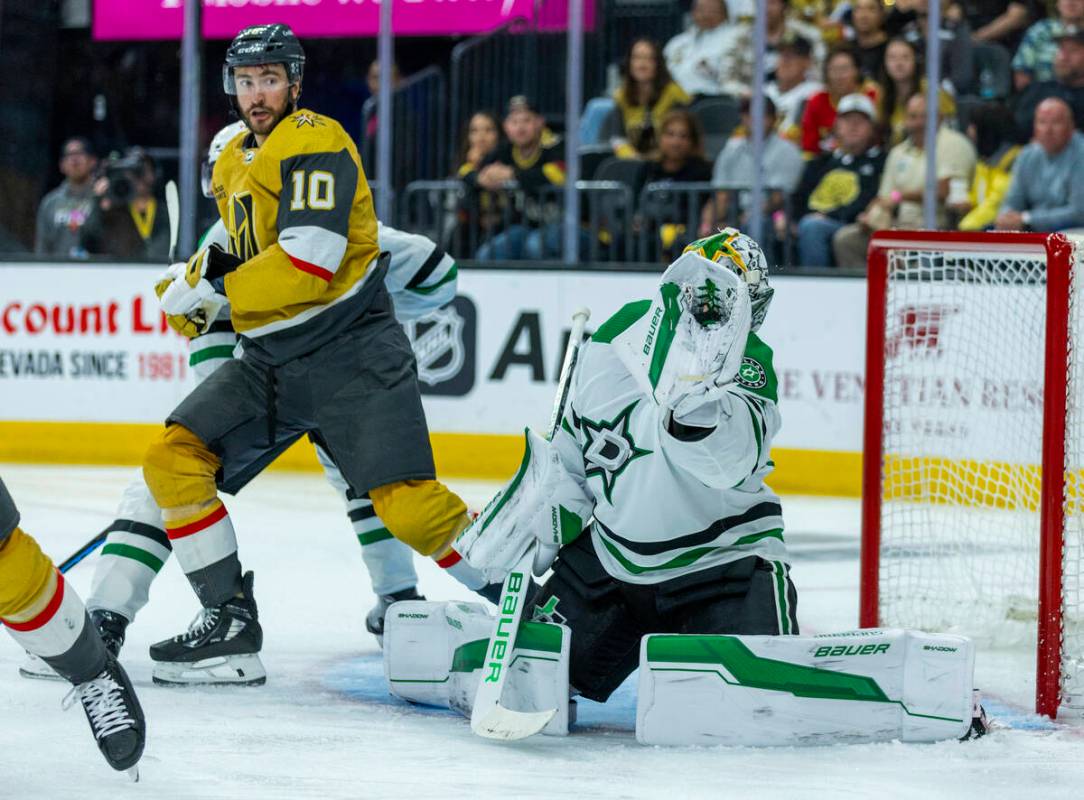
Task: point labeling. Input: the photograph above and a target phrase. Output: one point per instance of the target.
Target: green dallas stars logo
(609, 448)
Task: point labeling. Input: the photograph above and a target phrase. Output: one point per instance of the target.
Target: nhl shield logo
(443, 344)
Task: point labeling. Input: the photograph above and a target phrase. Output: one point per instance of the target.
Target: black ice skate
(114, 714)
(221, 646)
(980, 723)
(111, 627)
(374, 620)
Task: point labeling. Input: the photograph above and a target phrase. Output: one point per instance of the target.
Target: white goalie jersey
(666, 506)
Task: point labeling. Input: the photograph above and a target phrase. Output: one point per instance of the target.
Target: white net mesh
(963, 423)
(1073, 559)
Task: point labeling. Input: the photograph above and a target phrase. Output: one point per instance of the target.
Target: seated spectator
(127, 221)
(1034, 59)
(1068, 84)
(791, 88)
(899, 198)
(902, 79)
(529, 164)
(372, 80)
(870, 39)
(734, 169)
(1046, 192)
(781, 27)
(646, 94)
(842, 76)
(482, 137)
(956, 46)
(695, 57)
(999, 21)
(991, 131)
(64, 210)
(680, 158)
(478, 215)
(836, 187)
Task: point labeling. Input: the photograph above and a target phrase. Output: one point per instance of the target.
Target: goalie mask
(692, 335)
(743, 255)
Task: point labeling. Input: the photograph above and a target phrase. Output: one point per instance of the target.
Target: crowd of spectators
(844, 154)
(845, 111)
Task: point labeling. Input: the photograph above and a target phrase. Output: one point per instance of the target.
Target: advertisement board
(222, 19)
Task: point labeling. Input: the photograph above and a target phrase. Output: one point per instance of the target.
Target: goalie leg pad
(435, 653)
(863, 686)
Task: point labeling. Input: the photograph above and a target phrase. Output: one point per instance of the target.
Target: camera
(122, 172)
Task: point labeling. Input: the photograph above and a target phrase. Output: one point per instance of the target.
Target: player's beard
(271, 117)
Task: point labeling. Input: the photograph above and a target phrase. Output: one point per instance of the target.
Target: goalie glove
(693, 335)
(542, 504)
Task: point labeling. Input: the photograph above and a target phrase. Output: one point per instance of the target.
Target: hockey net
(974, 447)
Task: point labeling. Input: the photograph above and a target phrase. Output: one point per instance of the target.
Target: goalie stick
(489, 718)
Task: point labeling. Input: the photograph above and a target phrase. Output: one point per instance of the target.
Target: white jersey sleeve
(421, 278)
(211, 350)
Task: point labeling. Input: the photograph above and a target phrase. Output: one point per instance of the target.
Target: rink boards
(88, 366)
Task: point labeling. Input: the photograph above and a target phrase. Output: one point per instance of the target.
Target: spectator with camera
(1046, 192)
(836, 187)
(127, 221)
(65, 209)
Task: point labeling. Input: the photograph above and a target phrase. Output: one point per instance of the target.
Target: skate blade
(246, 670)
(36, 669)
(133, 773)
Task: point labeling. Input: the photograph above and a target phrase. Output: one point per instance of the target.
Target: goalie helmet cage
(973, 481)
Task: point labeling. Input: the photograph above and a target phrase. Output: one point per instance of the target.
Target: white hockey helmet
(742, 254)
(214, 150)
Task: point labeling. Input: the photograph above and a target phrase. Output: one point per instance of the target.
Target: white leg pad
(434, 654)
(862, 686)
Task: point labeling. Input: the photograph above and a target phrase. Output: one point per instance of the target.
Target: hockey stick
(83, 551)
(488, 717)
(173, 211)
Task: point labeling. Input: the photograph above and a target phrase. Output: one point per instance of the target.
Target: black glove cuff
(219, 262)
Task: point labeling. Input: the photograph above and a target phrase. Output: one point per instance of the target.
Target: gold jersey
(299, 214)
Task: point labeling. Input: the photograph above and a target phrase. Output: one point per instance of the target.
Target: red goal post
(945, 448)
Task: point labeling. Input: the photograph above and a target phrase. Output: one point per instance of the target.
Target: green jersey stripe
(451, 276)
(689, 556)
(372, 537)
(206, 354)
(134, 553)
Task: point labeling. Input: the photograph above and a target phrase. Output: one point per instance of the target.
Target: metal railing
(419, 122)
(616, 223)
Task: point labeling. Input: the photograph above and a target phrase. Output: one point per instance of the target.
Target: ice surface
(325, 727)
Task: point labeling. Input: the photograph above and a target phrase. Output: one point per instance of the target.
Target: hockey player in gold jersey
(322, 354)
(46, 617)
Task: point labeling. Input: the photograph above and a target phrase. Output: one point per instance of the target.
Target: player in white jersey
(669, 550)
(421, 278)
(655, 481)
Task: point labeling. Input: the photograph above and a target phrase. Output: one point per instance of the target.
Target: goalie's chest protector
(655, 520)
